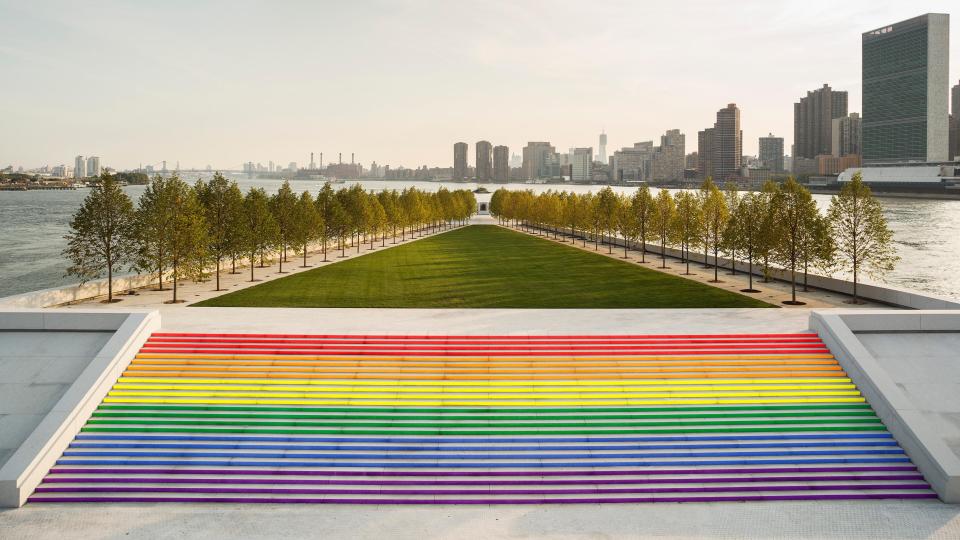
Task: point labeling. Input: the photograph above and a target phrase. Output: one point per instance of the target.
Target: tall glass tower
(905, 70)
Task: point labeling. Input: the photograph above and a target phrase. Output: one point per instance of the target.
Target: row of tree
(179, 231)
(779, 225)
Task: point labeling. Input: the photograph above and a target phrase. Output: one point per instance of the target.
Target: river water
(33, 223)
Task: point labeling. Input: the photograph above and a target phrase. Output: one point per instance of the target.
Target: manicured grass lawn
(484, 266)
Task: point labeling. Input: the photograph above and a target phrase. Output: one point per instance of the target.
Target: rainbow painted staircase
(482, 420)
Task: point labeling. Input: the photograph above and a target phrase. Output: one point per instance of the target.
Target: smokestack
(321, 160)
(311, 160)
(351, 158)
(340, 158)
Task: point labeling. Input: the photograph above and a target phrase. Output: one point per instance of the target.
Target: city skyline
(261, 85)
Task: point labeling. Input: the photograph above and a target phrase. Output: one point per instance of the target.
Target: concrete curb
(28, 465)
(938, 464)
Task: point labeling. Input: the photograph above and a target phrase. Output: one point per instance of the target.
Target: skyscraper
(460, 161)
(582, 164)
(728, 142)
(955, 99)
(633, 163)
(484, 161)
(501, 163)
(724, 144)
(602, 149)
(954, 123)
(79, 167)
(537, 157)
(905, 74)
(669, 158)
(813, 121)
(705, 154)
(771, 153)
(93, 166)
(847, 136)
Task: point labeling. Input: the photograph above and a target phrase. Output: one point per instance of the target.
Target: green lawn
(484, 266)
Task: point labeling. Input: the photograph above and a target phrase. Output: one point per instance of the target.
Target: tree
(661, 220)
(235, 248)
(859, 229)
(796, 213)
(391, 208)
(151, 226)
(569, 212)
(626, 223)
(642, 205)
(221, 207)
(259, 227)
(770, 233)
(715, 216)
(187, 233)
(607, 214)
(305, 225)
(324, 204)
(378, 218)
(749, 226)
(340, 221)
(411, 210)
(358, 211)
(585, 206)
(281, 206)
(731, 194)
(817, 247)
(688, 223)
(100, 238)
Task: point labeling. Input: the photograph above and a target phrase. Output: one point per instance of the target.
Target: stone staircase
(427, 419)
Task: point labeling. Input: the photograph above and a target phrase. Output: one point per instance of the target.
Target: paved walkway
(196, 291)
(774, 292)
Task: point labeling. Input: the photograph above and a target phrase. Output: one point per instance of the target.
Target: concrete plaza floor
(848, 519)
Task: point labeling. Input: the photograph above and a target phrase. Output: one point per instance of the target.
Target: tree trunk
(218, 273)
(793, 281)
(716, 267)
(855, 280)
(253, 257)
(109, 279)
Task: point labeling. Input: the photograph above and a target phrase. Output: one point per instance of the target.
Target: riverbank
(34, 223)
(141, 292)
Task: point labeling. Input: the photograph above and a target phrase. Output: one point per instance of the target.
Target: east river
(33, 223)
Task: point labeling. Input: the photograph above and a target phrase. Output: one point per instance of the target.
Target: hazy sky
(399, 82)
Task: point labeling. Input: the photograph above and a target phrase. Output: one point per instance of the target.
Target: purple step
(489, 501)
